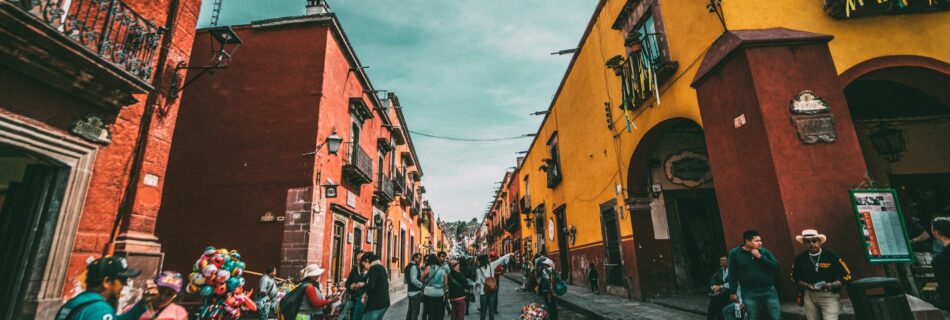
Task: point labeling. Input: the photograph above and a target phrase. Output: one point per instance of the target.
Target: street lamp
(332, 142)
(888, 142)
(224, 42)
(528, 217)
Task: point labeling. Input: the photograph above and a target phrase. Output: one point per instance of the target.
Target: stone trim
(79, 156)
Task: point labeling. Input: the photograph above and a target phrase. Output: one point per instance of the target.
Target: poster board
(881, 226)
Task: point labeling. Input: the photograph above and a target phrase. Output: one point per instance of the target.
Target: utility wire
(462, 139)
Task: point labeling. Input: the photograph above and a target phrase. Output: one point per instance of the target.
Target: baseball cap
(111, 267)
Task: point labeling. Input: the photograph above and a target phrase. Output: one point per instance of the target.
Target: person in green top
(105, 278)
(751, 268)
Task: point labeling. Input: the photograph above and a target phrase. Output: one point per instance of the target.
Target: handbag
(491, 284)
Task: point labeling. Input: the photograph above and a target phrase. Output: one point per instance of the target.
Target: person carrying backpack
(436, 286)
(306, 301)
(488, 285)
(105, 278)
(413, 286)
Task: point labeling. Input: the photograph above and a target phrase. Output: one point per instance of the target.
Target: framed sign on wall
(881, 226)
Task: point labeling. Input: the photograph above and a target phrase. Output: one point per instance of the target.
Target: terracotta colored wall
(34, 102)
(240, 146)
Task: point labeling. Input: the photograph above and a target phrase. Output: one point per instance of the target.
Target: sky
(461, 68)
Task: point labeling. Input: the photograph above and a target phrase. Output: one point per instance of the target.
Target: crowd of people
(744, 286)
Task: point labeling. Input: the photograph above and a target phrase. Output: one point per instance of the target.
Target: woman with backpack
(436, 279)
(546, 287)
(488, 285)
(306, 301)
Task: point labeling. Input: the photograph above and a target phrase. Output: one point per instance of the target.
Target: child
(592, 278)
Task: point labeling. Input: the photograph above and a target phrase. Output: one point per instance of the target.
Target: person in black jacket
(718, 290)
(468, 270)
(458, 291)
(354, 288)
(376, 287)
(940, 227)
(819, 275)
(414, 285)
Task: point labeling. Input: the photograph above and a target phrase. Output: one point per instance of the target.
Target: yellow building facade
(627, 177)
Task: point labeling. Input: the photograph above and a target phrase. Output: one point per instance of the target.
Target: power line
(461, 139)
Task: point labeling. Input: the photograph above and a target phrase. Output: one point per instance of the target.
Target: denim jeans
(762, 303)
(353, 310)
(375, 314)
(488, 303)
(415, 303)
(433, 308)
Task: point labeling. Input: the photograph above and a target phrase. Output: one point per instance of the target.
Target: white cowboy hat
(312, 270)
(811, 233)
(548, 262)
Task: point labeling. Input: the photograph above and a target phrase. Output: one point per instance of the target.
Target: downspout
(141, 143)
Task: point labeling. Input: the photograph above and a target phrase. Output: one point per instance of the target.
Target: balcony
(513, 223)
(525, 204)
(407, 197)
(399, 182)
(358, 167)
(100, 51)
(384, 193)
(414, 208)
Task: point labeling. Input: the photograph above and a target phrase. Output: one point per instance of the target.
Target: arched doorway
(901, 112)
(676, 223)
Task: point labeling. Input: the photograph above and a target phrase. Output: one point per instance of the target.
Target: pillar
(768, 177)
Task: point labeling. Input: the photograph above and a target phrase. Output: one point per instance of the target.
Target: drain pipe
(141, 143)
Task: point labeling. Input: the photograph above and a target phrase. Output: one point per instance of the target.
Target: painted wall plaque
(812, 118)
(807, 102)
(93, 129)
(688, 168)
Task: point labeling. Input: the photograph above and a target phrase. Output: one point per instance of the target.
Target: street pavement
(509, 304)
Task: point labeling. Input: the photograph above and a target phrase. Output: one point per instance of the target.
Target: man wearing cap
(105, 278)
(819, 274)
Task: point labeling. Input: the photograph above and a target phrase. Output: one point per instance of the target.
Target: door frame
(560, 216)
(78, 157)
(604, 207)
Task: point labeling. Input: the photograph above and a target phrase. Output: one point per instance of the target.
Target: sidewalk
(581, 300)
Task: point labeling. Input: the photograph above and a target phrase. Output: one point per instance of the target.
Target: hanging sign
(688, 168)
(881, 225)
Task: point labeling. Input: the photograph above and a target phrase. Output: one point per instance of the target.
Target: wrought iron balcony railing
(399, 182)
(384, 191)
(109, 28)
(358, 167)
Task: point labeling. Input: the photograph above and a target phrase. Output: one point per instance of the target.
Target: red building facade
(85, 129)
(251, 170)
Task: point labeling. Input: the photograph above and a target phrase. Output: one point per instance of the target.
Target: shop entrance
(338, 234)
(901, 113)
(678, 232)
(562, 241)
(31, 193)
(613, 264)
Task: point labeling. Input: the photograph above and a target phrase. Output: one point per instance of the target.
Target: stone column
(769, 175)
(303, 232)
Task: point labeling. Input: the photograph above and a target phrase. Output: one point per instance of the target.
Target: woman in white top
(488, 295)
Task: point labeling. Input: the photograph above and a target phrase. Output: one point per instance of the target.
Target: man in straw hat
(819, 275)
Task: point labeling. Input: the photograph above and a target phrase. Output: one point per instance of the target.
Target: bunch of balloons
(217, 277)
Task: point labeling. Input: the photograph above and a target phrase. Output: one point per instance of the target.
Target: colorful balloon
(207, 291)
(223, 276)
(209, 270)
(220, 289)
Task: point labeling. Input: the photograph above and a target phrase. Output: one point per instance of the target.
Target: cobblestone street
(509, 305)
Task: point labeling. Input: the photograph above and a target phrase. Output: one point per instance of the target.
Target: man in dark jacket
(940, 226)
(751, 267)
(718, 290)
(354, 288)
(819, 274)
(376, 288)
(105, 278)
(413, 286)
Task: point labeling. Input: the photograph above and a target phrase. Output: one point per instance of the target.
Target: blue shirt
(92, 306)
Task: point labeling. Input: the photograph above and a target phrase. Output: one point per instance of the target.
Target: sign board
(881, 225)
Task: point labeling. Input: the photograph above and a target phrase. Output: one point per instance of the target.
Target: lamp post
(224, 42)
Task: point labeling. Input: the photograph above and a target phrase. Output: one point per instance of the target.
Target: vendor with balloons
(218, 278)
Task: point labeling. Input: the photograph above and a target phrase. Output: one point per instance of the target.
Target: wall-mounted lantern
(888, 142)
(571, 233)
(528, 217)
(224, 42)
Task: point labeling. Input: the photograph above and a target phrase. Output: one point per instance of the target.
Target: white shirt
(489, 272)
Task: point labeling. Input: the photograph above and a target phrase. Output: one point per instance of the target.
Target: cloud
(461, 68)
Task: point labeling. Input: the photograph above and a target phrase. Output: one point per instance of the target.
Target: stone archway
(677, 229)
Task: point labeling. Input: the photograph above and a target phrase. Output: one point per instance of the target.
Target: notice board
(881, 226)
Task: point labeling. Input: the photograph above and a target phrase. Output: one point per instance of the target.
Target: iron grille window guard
(639, 72)
(108, 28)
